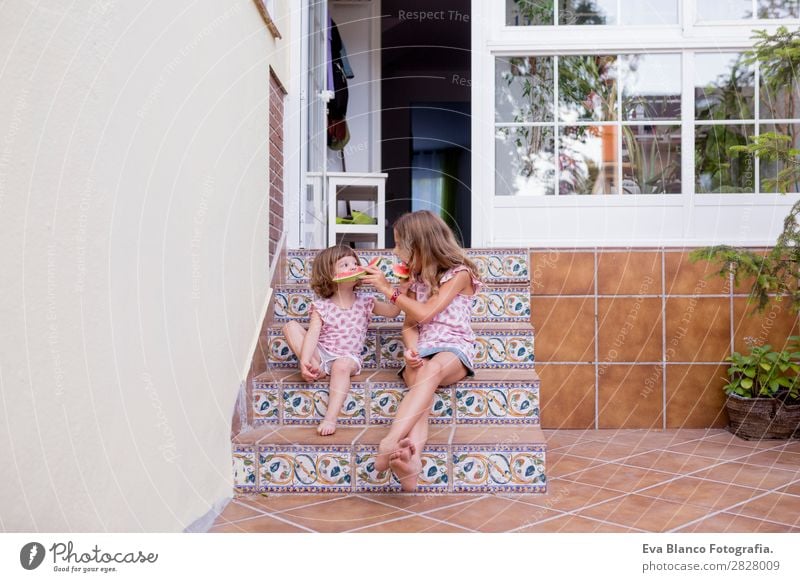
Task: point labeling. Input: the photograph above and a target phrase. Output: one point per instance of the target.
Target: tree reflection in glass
(587, 88)
(524, 161)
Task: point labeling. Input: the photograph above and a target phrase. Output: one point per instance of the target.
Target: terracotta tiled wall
(636, 338)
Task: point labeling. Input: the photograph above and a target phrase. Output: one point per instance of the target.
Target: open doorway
(425, 102)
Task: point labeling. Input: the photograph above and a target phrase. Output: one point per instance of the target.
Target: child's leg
(337, 392)
(443, 369)
(295, 334)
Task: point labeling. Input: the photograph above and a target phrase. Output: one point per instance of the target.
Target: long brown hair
(324, 269)
(431, 247)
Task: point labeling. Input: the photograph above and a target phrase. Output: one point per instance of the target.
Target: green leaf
(747, 383)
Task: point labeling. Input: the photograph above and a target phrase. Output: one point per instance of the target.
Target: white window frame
(685, 219)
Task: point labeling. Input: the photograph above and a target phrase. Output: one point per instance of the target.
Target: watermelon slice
(400, 270)
(350, 275)
(375, 262)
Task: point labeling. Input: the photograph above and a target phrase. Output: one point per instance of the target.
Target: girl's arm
(385, 309)
(309, 345)
(424, 312)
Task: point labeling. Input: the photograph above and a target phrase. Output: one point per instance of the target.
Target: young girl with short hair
(337, 330)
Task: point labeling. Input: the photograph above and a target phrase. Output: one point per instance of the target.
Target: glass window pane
(717, 169)
(723, 86)
(523, 89)
(587, 157)
(587, 88)
(649, 12)
(529, 12)
(651, 159)
(524, 161)
(651, 86)
(780, 90)
(587, 12)
(778, 9)
(715, 10)
(771, 168)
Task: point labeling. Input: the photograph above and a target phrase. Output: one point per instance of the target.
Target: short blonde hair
(431, 247)
(323, 270)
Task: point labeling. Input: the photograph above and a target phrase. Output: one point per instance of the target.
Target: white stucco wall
(133, 251)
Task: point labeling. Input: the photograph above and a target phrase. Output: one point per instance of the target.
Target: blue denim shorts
(429, 353)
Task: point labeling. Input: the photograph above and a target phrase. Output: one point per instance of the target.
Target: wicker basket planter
(762, 418)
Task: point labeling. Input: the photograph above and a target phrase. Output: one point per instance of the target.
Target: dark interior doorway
(425, 101)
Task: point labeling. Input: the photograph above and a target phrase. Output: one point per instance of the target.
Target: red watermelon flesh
(350, 275)
(400, 270)
(375, 262)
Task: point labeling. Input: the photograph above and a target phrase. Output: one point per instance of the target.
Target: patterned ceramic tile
(385, 397)
(502, 304)
(494, 265)
(294, 303)
(501, 266)
(497, 403)
(498, 304)
(244, 468)
(504, 349)
(280, 356)
(300, 264)
(512, 468)
(308, 403)
(433, 477)
(304, 469)
(391, 342)
(265, 406)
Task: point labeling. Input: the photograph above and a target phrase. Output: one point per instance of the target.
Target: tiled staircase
(484, 436)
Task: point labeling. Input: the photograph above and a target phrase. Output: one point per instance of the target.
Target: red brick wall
(276, 95)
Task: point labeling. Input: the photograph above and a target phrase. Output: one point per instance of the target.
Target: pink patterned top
(344, 331)
(451, 327)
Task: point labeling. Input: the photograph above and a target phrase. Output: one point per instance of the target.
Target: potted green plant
(764, 392)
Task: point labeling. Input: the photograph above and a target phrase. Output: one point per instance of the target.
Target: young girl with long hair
(438, 337)
(337, 329)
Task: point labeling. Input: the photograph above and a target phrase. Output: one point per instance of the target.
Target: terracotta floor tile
(793, 489)
(645, 513)
(787, 460)
(776, 507)
(235, 511)
(559, 465)
(565, 495)
(264, 524)
(713, 450)
(493, 514)
(727, 438)
(727, 523)
(276, 503)
(574, 524)
(420, 503)
(619, 478)
(599, 450)
(749, 475)
(651, 439)
(413, 524)
(701, 493)
(342, 514)
(668, 462)
(563, 438)
(684, 434)
(792, 446)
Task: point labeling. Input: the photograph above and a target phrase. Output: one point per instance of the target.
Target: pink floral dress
(450, 330)
(344, 331)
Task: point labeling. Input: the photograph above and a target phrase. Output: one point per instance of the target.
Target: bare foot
(385, 450)
(406, 465)
(326, 427)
